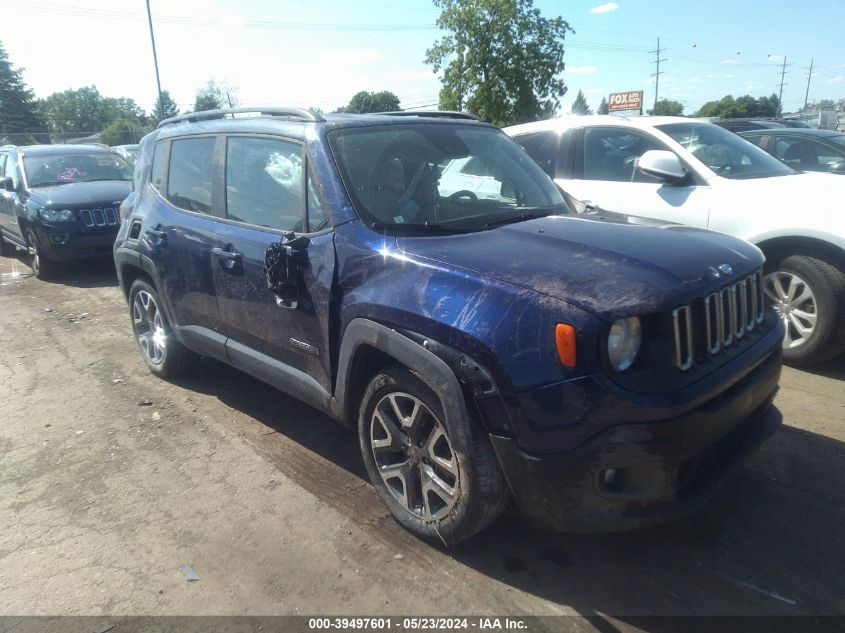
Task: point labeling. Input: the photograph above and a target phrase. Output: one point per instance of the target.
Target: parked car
(60, 202)
(128, 152)
(803, 149)
(606, 376)
(759, 123)
(696, 173)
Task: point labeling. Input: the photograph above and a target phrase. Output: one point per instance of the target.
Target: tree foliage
(580, 106)
(604, 107)
(20, 121)
(363, 102)
(501, 59)
(215, 95)
(746, 106)
(667, 107)
(122, 132)
(85, 111)
(164, 108)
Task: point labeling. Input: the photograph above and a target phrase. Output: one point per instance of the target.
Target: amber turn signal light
(565, 340)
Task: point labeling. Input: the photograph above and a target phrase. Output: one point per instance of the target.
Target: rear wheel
(163, 353)
(440, 481)
(809, 297)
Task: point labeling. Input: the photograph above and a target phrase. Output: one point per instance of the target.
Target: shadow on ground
(831, 369)
(769, 543)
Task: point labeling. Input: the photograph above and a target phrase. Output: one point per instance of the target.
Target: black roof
(32, 150)
(806, 132)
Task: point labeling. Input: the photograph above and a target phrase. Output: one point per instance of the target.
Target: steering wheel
(463, 193)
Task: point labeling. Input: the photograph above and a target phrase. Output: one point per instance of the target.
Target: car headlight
(56, 215)
(623, 342)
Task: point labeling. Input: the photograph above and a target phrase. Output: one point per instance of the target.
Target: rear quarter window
(191, 174)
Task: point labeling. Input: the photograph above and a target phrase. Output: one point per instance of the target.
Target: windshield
(450, 177)
(60, 169)
(724, 152)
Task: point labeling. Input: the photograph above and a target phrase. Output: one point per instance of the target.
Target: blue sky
(320, 52)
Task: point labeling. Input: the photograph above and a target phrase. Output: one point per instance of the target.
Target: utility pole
(780, 93)
(657, 72)
(807, 94)
(155, 61)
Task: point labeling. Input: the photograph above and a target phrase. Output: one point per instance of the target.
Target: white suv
(693, 172)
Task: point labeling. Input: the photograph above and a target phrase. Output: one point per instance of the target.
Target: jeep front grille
(717, 321)
(99, 217)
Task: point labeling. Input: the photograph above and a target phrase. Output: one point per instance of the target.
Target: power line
(809, 75)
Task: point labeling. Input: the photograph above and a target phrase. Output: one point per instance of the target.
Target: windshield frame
(768, 165)
(481, 214)
(43, 158)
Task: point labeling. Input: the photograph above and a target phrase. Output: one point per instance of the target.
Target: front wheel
(809, 297)
(440, 480)
(163, 353)
(42, 267)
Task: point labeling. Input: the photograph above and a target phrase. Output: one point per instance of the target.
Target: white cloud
(408, 75)
(728, 61)
(607, 7)
(349, 58)
(580, 70)
(775, 58)
(836, 80)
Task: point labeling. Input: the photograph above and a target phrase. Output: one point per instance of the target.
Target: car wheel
(42, 267)
(163, 353)
(439, 479)
(809, 296)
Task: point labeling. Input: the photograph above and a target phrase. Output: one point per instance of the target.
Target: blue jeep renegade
(420, 279)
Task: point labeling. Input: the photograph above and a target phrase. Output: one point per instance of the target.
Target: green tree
(164, 108)
(121, 132)
(500, 59)
(604, 108)
(746, 106)
(363, 102)
(20, 121)
(85, 111)
(215, 95)
(579, 106)
(667, 107)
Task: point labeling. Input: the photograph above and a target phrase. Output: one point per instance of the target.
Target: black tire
(480, 492)
(161, 350)
(42, 267)
(816, 312)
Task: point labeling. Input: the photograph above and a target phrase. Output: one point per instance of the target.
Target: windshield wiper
(428, 227)
(519, 217)
(51, 183)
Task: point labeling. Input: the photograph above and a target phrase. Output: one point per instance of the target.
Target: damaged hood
(607, 266)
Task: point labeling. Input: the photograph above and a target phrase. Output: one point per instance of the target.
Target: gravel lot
(111, 480)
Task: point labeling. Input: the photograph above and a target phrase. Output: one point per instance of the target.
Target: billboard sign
(620, 101)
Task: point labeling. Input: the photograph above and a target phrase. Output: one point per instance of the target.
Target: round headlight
(57, 215)
(623, 342)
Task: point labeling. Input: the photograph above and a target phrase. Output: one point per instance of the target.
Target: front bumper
(59, 244)
(633, 475)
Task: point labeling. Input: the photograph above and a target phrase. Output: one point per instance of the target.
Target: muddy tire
(440, 482)
(42, 267)
(164, 354)
(809, 296)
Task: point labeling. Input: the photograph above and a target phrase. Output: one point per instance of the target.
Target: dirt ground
(111, 480)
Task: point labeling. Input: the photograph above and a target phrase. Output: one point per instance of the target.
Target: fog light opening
(608, 476)
(57, 238)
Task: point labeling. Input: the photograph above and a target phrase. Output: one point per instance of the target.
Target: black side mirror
(8, 184)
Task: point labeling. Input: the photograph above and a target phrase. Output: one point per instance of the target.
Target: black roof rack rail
(437, 114)
(296, 114)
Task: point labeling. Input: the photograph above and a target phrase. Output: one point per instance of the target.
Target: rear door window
(543, 148)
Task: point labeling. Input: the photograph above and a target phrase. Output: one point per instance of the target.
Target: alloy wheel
(414, 456)
(149, 327)
(795, 304)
